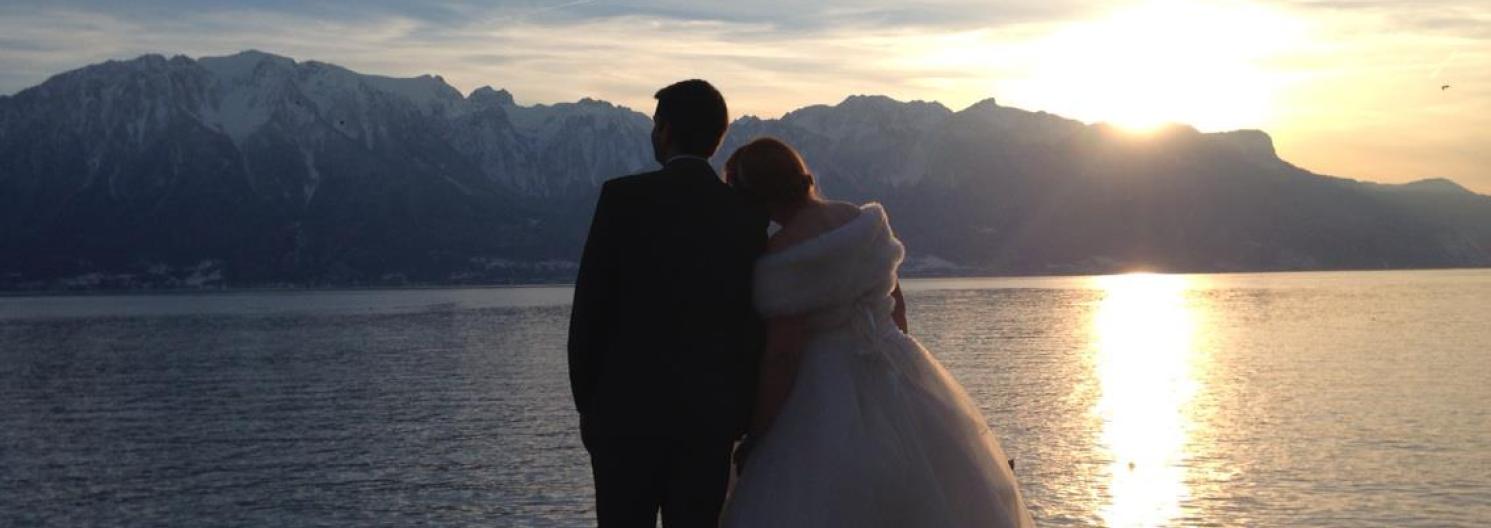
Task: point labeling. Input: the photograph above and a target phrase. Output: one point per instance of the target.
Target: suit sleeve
(595, 289)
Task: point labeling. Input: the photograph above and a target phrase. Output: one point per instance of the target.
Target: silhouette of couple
(697, 343)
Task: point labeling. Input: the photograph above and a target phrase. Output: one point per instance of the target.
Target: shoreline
(231, 290)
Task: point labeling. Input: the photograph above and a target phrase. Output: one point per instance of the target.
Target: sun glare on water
(1201, 63)
(1144, 359)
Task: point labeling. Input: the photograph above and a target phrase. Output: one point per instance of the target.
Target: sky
(1350, 88)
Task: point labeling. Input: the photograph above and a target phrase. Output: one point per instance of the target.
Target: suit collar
(692, 166)
(683, 157)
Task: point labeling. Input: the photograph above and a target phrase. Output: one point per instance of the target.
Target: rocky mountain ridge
(256, 169)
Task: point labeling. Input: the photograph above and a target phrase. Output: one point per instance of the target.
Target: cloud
(1448, 18)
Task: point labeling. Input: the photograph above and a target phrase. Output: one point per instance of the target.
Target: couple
(692, 330)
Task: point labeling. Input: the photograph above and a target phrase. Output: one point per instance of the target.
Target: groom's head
(690, 119)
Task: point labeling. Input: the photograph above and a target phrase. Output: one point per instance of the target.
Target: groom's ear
(661, 136)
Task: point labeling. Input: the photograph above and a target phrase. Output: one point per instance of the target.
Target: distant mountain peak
(861, 101)
(487, 95)
(148, 58)
(868, 98)
(1435, 185)
(253, 56)
(1251, 142)
(244, 63)
(260, 55)
(985, 104)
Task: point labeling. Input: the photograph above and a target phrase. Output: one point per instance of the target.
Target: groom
(663, 340)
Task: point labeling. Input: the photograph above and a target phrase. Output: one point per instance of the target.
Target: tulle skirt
(876, 433)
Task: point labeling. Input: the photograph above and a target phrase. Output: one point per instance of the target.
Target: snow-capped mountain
(859, 146)
(258, 169)
(293, 171)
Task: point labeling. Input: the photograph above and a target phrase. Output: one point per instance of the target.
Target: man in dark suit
(664, 342)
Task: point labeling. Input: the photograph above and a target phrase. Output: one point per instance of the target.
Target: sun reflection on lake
(1143, 361)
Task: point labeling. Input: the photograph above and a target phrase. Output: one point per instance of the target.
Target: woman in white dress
(856, 424)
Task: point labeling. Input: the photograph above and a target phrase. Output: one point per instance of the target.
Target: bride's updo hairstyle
(769, 172)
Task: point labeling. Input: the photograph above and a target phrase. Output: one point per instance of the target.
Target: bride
(855, 424)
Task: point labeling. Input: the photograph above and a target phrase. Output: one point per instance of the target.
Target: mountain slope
(277, 171)
(256, 169)
(1003, 190)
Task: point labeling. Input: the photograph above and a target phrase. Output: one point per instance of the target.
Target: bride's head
(771, 173)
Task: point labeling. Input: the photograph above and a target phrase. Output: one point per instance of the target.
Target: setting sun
(1200, 64)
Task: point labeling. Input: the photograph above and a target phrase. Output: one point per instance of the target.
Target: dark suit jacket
(663, 339)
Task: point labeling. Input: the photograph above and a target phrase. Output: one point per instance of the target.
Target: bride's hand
(899, 313)
(742, 452)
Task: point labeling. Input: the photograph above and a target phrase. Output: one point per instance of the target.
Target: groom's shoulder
(632, 183)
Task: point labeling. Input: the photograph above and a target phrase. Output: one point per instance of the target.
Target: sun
(1201, 63)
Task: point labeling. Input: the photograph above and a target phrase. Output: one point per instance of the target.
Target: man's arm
(594, 289)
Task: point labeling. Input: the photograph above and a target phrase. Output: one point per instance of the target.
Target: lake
(1287, 399)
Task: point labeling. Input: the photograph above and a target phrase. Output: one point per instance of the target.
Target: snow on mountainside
(862, 143)
(241, 95)
(293, 171)
(259, 169)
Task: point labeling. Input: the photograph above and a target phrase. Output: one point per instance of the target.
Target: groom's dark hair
(695, 114)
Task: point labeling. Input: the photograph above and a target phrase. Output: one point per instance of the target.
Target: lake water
(1301, 399)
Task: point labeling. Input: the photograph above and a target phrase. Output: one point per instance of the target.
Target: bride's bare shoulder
(843, 211)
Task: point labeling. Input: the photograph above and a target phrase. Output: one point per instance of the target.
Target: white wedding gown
(875, 432)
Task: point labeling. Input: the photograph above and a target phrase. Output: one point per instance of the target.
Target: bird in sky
(1444, 87)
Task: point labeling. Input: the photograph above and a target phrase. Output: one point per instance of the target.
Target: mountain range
(258, 170)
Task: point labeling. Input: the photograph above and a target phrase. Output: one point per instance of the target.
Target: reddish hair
(769, 171)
